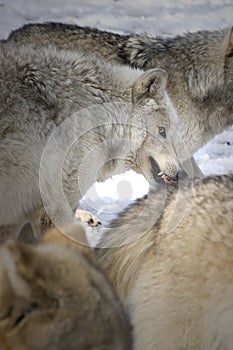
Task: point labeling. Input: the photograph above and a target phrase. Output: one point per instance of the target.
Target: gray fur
(117, 128)
(70, 36)
(199, 66)
(177, 287)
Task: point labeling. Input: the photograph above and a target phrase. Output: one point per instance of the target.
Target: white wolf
(124, 120)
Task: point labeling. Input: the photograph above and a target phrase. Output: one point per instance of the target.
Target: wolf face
(141, 130)
(159, 126)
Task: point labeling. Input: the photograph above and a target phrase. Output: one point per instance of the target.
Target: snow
(153, 16)
(165, 17)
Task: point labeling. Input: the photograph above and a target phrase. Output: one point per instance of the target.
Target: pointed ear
(17, 264)
(73, 236)
(229, 45)
(39, 85)
(150, 84)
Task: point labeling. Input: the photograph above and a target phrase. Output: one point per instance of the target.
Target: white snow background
(167, 17)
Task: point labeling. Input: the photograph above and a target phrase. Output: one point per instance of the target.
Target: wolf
(199, 66)
(70, 36)
(54, 296)
(69, 119)
(177, 287)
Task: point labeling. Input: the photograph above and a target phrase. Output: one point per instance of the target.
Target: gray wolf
(54, 296)
(199, 66)
(67, 120)
(177, 287)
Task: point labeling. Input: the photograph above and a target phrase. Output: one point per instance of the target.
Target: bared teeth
(166, 178)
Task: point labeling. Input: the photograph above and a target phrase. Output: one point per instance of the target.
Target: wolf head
(153, 118)
(54, 296)
(154, 112)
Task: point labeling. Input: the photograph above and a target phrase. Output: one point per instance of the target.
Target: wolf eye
(162, 131)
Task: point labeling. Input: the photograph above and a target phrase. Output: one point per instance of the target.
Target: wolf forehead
(160, 113)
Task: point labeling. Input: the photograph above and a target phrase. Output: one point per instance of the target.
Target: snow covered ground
(165, 17)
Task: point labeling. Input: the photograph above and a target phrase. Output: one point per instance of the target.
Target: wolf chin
(67, 120)
(199, 66)
(177, 287)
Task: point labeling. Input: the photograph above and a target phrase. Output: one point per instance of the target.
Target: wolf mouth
(166, 178)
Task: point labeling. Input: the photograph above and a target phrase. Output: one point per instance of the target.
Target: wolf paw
(86, 216)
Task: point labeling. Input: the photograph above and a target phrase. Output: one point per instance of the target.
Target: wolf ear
(17, 264)
(229, 45)
(150, 84)
(16, 261)
(39, 86)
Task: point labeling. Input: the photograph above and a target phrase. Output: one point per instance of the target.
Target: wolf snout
(169, 172)
(164, 172)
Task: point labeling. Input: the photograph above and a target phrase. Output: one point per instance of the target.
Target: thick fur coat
(67, 120)
(169, 257)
